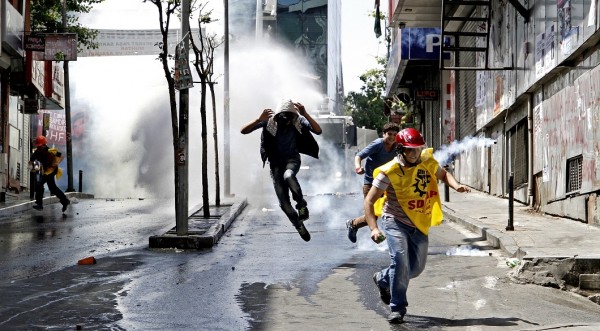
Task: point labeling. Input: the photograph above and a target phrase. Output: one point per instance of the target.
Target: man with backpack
(49, 159)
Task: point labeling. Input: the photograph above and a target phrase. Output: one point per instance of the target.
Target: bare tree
(166, 9)
(205, 52)
(204, 63)
(211, 85)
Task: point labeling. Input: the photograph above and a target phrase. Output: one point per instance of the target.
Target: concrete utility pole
(67, 109)
(259, 20)
(183, 157)
(226, 138)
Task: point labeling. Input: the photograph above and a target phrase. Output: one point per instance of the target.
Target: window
(574, 174)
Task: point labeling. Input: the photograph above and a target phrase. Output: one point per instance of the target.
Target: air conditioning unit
(28, 106)
(404, 94)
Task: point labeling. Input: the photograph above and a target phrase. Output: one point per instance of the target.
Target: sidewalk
(535, 235)
(551, 251)
(202, 233)
(15, 203)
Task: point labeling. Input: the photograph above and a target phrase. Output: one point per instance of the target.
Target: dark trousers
(284, 182)
(39, 188)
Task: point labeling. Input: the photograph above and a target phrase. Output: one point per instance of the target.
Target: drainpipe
(530, 150)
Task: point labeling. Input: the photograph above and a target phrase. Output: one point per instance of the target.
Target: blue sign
(421, 44)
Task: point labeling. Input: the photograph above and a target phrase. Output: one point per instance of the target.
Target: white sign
(37, 75)
(58, 78)
(133, 42)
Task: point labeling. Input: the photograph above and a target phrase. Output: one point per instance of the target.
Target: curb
(493, 236)
(199, 239)
(577, 272)
(216, 231)
(17, 208)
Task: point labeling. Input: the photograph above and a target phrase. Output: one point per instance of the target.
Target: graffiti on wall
(448, 119)
(540, 143)
(498, 94)
(570, 127)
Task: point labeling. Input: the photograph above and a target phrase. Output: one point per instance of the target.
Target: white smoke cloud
(446, 153)
(466, 251)
(129, 152)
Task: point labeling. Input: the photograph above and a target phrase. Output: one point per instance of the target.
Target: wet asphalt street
(260, 276)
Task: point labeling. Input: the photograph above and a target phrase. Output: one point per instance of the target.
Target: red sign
(426, 95)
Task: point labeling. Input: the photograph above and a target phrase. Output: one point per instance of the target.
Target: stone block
(589, 281)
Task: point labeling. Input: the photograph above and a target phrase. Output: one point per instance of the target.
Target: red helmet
(410, 138)
(40, 141)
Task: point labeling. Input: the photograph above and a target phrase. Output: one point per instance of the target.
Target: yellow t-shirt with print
(416, 190)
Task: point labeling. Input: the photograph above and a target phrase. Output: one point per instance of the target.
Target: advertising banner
(133, 42)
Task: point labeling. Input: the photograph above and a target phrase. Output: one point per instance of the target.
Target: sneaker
(384, 293)
(395, 317)
(38, 207)
(303, 214)
(65, 205)
(351, 231)
(303, 232)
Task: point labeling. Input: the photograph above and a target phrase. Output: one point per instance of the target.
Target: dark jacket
(43, 155)
(305, 142)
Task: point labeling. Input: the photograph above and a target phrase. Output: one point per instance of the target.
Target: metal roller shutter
(518, 152)
(466, 91)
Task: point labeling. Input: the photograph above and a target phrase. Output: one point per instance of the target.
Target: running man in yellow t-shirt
(411, 204)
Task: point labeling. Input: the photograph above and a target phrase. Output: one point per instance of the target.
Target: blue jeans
(284, 182)
(408, 252)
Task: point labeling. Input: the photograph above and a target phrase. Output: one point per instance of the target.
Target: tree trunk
(175, 129)
(216, 145)
(163, 56)
(205, 202)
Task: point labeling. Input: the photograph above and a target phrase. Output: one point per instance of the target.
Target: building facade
(29, 82)
(524, 75)
(14, 123)
(313, 29)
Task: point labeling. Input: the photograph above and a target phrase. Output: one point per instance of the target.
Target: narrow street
(260, 276)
